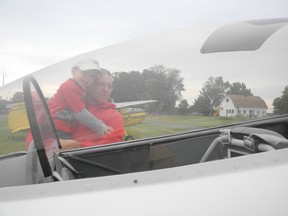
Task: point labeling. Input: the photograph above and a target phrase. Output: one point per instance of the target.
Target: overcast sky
(36, 33)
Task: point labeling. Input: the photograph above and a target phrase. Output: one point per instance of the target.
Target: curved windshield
(42, 132)
(161, 85)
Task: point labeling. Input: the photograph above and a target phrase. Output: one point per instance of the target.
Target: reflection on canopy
(244, 36)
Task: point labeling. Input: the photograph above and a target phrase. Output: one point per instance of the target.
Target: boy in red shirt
(98, 103)
(69, 102)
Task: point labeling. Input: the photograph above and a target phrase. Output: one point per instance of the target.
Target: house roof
(242, 101)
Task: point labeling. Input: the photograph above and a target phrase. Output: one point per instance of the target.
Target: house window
(227, 100)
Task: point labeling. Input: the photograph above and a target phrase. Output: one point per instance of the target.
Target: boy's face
(84, 78)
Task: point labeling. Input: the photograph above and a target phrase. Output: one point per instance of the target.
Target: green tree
(17, 97)
(128, 86)
(158, 83)
(201, 105)
(213, 91)
(280, 104)
(238, 88)
(165, 85)
(183, 107)
(3, 108)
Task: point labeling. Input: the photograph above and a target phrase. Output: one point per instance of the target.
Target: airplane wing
(25, 127)
(132, 117)
(134, 103)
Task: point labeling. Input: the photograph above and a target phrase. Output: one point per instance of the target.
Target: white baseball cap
(90, 64)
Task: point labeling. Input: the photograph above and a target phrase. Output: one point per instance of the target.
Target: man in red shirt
(98, 95)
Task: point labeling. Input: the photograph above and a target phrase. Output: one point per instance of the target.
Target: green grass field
(153, 125)
(169, 124)
(8, 145)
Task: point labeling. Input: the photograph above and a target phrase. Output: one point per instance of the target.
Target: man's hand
(69, 144)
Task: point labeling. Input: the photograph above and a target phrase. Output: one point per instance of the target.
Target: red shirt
(110, 116)
(70, 97)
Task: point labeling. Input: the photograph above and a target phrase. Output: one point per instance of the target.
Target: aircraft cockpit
(140, 156)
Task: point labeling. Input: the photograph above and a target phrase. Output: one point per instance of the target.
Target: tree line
(166, 86)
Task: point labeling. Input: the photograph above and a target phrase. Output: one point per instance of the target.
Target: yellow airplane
(17, 119)
(130, 111)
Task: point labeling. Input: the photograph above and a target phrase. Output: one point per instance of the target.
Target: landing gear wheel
(129, 138)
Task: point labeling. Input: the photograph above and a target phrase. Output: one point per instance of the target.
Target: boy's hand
(108, 131)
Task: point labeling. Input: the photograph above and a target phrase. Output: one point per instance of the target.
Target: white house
(250, 106)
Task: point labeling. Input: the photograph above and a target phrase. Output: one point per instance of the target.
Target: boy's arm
(88, 119)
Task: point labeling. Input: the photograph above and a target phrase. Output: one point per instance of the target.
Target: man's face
(99, 92)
